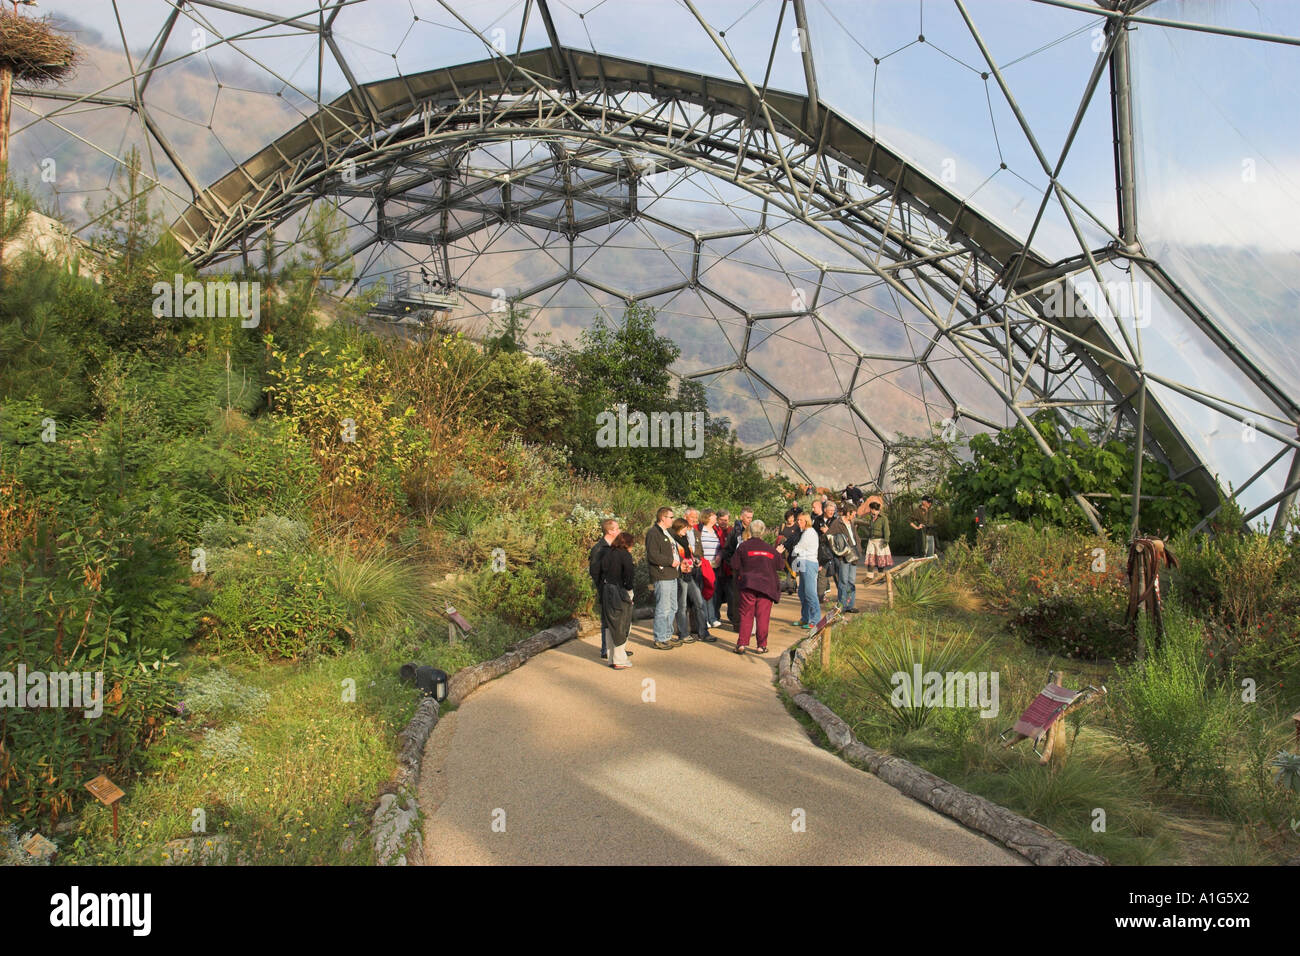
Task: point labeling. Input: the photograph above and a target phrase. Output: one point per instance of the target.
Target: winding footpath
(566, 761)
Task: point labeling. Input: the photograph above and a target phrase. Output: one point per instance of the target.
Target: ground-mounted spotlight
(430, 681)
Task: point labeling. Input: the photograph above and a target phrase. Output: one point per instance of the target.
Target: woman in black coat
(616, 598)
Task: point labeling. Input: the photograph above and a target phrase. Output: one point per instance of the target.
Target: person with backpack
(610, 530)
(617, 577)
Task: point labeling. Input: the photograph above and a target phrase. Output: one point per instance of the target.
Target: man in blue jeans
(844, 548)
(804, 557)
(808, 570)
(661, 555)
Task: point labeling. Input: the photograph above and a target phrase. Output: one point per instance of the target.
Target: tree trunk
(6, 93)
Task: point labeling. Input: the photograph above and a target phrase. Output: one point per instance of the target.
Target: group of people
(700, 560)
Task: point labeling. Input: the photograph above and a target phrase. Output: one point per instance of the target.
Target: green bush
(1244, 587)
(1169, 705)
(273, 469)
(50, 341)
(1085, 625)
(1010, 476)
(522, 396)
(536, 596)
(279, 605)
(102, 598)
(518, 596)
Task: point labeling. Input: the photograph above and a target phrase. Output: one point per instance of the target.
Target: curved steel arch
(982, 291)
(709, 125)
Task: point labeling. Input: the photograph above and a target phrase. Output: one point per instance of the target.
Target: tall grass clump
(380, 590)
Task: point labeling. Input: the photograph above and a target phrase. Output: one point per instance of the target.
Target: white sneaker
(715, 624)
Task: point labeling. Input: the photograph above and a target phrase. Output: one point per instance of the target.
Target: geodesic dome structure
(859, 220)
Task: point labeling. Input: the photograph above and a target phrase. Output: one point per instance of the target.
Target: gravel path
(566, 761)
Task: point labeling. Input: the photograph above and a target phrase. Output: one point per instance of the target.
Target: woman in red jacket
(756, 566)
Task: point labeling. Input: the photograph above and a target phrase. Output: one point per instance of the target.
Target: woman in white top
(711, 550)
(804, 559)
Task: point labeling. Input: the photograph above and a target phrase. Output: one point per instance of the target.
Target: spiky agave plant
(1288, 770)
(889, 664)
(924, 589)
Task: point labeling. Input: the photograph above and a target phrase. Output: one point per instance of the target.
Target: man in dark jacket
(729, 551)
(844, 559)
(786, 538)
(594, 558)
(661, 555)
(855, 496)
(757, 574)
(820, 521)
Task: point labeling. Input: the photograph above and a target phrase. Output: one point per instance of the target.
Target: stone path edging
(1034, 841)
(399, 808)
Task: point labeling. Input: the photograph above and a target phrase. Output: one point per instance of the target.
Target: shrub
(518, 597)
(272, 470)
(1169, 705)
(535, 596)
(1009, 475)
(339, 399)
(80, 600)
(1083, 625)
(50, 335)
(1247, 576)
(281, 606)
(1065, 591)
(1194, 579)
(522, 396)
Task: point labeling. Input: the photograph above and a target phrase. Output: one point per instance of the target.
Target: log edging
(1037, 843)
(399, 808)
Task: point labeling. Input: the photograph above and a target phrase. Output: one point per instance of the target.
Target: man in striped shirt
(694, 596)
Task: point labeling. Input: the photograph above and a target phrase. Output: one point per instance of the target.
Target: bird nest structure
(34, 51)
